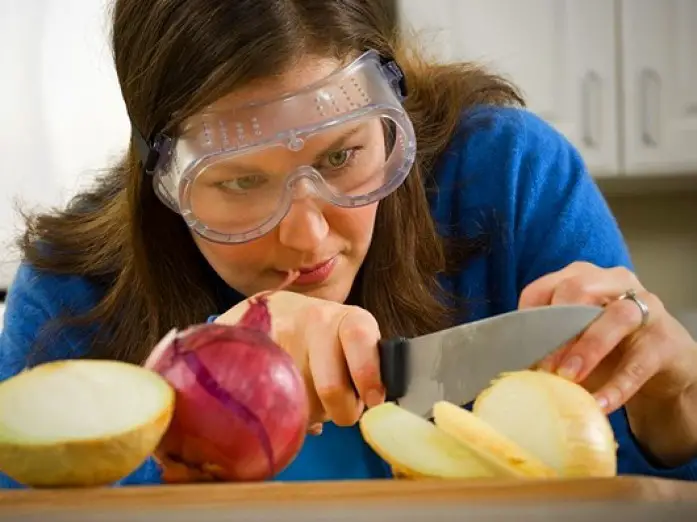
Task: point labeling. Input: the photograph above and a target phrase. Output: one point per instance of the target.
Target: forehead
(303, 73)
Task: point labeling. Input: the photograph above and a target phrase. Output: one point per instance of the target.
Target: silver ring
(631, 295)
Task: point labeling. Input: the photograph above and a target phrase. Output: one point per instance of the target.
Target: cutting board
(639, 499)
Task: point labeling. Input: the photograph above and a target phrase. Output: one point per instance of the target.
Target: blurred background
(617, 77)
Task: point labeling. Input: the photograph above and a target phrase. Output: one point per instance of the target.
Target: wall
(661, 230)
(62, 112)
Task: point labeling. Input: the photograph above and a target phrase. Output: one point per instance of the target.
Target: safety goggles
(233, 173)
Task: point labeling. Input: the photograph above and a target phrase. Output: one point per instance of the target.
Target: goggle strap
(153, 154)
(395, 76)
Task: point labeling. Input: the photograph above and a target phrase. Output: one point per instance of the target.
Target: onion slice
(416, 448)
(552, 418)
(81, 423)
(476, 433)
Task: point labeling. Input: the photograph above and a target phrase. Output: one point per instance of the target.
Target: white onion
(527, 424)
(415, 448)
(476, 433)
(81, 423)
(555, 419)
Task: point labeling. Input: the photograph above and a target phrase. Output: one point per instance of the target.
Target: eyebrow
(337, 144)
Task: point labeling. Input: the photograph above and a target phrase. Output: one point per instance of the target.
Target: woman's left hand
(645, 361)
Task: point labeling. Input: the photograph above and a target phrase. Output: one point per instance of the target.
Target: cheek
(238, 265)
(355, 226)
(243, 267)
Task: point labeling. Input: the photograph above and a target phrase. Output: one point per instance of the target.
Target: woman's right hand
(335, 348)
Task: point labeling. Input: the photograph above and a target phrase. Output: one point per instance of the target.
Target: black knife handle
(394, 366)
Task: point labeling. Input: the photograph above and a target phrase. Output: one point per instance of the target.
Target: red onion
(241, 409)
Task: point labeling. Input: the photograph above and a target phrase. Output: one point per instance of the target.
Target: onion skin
(241, 410)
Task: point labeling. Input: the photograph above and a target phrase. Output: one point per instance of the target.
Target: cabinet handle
(591, 110)
(650, 86)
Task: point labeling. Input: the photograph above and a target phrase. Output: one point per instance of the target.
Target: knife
(456, 364)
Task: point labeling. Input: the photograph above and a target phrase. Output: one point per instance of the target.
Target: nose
(304, 227)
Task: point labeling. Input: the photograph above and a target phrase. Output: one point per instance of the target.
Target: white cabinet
(544, 46)
(618, 78)
(659, 46)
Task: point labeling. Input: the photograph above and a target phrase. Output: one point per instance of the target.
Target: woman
(225, 189)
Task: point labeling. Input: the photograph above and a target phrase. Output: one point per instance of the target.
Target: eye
(339, 158)
(244, 183)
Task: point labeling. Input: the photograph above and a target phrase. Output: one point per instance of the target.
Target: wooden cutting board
(639, 499)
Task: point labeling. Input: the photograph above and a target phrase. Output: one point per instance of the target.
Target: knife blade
(456, 364)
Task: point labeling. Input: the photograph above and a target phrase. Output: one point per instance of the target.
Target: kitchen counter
(635, 499)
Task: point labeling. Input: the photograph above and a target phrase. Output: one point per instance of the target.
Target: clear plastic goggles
(234, 173)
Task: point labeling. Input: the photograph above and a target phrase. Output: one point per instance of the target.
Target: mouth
(313, 268)
(315, 274)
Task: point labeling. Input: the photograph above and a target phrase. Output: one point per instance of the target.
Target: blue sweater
(507, 174)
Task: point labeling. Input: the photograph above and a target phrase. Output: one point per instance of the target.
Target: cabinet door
(560, 53)
(659, 40)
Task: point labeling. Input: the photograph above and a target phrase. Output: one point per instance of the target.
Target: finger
(635, 369)
(577, 283)
(329, 369)
(554, 359)
(307, 334)
(359, 334)
(595, 287)
(539, 292)
(315, 429)
(618, 321)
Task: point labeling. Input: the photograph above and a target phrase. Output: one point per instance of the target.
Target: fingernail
(610, 398)
(373, 398)
(571, 368)
(602, 402)
(315, 429)
(613, 396)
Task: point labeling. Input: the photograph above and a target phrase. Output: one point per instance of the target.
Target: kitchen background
(617, 77)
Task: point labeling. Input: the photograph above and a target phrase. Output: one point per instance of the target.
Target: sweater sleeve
(33, 300)
(560, 217)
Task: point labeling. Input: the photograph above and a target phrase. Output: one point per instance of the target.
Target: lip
(316, 274)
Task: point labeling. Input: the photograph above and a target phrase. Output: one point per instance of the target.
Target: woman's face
(325, 242)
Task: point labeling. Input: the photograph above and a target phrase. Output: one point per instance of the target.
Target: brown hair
(174, 57)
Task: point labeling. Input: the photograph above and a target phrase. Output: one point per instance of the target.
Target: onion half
(553, 418)
(81, 423)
